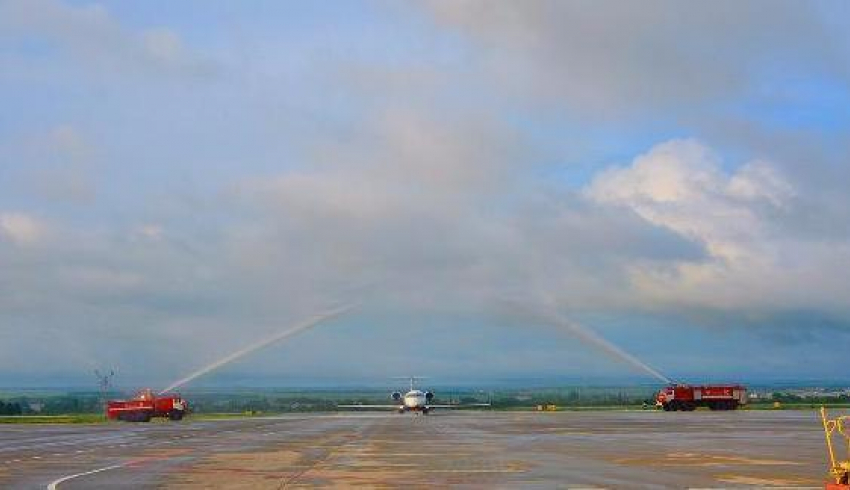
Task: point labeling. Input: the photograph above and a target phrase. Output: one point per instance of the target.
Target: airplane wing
(388, 407)
(468, 405)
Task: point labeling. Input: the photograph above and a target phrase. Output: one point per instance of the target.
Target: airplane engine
(429, 396)
(396, 396)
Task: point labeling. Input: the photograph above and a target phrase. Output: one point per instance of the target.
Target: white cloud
(739, 217)
(760, 180)
(676, 171)
(680, 185)
(64, 166)
(60, 164)
(614, 57)
(21, 228)
(68, 141)
(164, 45)
(93, 37)
(418, 173)
(149, 232)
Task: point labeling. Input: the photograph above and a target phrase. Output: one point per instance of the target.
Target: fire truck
(688, 397)
(145, 405)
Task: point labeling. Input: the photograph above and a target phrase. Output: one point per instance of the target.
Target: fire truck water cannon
(145, 406)
(689, 397)
(839, 471)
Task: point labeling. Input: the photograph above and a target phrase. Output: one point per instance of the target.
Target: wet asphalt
(612, 449)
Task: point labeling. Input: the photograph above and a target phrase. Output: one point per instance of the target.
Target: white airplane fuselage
(414, 401)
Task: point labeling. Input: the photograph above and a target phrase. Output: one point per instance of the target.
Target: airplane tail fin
(412, 379)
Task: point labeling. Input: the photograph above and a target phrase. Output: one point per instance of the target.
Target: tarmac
(603, 449)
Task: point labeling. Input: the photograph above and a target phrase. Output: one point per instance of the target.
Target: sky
(180, 179)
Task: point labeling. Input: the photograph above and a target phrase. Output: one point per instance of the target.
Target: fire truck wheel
(665, 407)
(175, 415)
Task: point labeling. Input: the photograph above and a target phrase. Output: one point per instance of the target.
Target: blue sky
(179, 179)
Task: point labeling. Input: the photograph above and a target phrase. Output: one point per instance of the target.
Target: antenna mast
(104, 383)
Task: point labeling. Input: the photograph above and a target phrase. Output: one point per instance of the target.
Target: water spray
(285, 334)
(592, 338)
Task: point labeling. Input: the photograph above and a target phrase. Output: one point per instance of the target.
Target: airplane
(414, 400)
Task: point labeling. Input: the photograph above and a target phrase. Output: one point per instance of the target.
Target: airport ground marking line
(55, 483)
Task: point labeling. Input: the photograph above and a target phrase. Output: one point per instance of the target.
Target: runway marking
(55, 483)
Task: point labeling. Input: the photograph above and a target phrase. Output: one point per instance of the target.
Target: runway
(466, 449)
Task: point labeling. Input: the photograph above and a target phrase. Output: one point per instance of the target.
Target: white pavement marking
(55, 483)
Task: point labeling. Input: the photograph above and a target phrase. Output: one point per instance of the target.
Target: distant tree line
(274, 401)
(266, 404)
(811, 400)
(10, 408)
(51, 405)
(573, 397)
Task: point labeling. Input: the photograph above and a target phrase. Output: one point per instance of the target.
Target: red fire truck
(145, 405)
(689, 397)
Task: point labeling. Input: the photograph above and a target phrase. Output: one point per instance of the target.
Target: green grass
(82, 418)
(797, 406)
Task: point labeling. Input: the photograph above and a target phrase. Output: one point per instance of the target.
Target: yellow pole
(828, 428)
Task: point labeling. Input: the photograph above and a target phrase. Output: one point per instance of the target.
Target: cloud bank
(176, 188)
